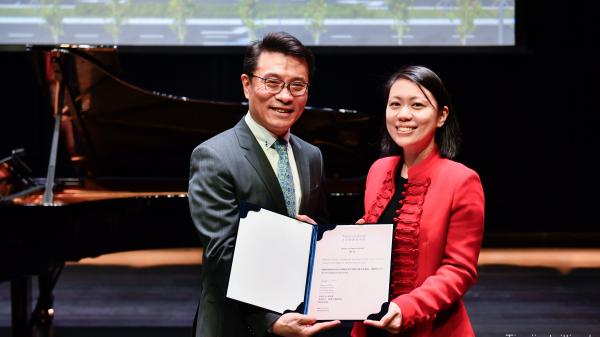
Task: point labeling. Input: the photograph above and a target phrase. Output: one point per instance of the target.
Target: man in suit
(261, 162)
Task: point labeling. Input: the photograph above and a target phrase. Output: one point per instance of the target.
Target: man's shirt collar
(264, 137)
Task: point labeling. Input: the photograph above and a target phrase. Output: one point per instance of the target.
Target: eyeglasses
(275, 86)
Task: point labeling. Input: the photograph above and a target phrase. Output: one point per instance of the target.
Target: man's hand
(305, 218)
(298, 325)
(391, 322)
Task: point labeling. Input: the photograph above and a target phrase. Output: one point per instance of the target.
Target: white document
(351, 272)
(279, 264)
(270, 262)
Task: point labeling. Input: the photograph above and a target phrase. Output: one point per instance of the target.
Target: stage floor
(521, 292)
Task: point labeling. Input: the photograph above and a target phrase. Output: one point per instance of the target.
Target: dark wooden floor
(160, 301)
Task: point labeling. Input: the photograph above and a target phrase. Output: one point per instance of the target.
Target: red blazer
(439, 229)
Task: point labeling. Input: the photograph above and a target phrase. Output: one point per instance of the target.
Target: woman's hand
(391, 322)
(360, 221)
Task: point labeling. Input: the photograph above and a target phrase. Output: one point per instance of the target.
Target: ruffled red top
(406, 241)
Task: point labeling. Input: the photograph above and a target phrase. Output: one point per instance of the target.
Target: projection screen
(235, 23)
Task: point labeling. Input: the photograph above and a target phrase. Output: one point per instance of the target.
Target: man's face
(276, 112)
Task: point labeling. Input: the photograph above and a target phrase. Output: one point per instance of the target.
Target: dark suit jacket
(226, 169)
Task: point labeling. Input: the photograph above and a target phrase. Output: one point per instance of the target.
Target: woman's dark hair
(278, 42)
(448, 136)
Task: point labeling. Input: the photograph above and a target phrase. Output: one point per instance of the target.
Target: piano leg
(43, 314)
(20, 292)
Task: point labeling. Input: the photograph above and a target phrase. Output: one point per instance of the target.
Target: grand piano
(124, 186)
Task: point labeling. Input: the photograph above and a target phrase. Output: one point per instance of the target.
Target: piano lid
(115, 129)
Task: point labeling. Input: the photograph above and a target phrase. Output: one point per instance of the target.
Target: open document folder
(329, 272)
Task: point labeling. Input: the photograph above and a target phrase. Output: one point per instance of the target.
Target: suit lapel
(258, 160)
(303, 172)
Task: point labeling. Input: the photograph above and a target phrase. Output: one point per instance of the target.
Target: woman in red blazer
(437, 205)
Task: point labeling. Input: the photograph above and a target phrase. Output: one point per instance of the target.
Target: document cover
(325, 271)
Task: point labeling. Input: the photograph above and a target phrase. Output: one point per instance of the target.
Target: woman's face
(412, 118)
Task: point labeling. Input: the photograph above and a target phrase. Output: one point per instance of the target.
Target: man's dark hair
(278, 42)
(448, 136)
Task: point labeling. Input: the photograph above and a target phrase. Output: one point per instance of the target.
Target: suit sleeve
(214, 208)
(458, 268)
(321, 215)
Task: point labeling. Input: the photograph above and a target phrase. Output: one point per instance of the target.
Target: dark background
(529, 113)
